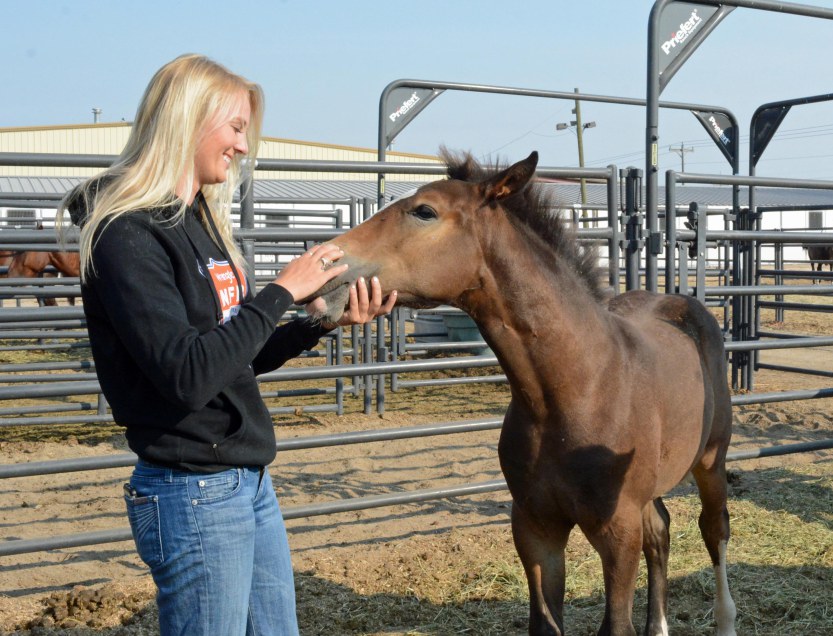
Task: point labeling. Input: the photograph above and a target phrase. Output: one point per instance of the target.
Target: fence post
(779, 279)
(633, 228)
(700, 221)
(247, 220)
(682, 266)
(614, 223)
(670, 231)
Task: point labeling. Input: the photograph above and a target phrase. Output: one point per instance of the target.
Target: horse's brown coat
(33, 264)
(613, 402)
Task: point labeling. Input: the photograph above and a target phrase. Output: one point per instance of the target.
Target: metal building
(110, 138)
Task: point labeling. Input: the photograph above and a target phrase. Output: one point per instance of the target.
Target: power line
(783, 135)
(681, 152)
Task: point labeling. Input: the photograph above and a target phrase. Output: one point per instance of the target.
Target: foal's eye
(425, 212)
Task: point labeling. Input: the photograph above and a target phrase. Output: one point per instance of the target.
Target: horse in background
(819, 255)
(6, 257)
(615, 400)
(25, 264)
(34, 265)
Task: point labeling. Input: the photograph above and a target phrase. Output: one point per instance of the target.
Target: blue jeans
(217, 548)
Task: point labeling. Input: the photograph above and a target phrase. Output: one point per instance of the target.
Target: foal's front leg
(542, 554)
(619, 544)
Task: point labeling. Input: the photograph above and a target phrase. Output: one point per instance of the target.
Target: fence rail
(375, 354)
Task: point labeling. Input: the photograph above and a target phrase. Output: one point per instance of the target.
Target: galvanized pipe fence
(40, 544)
(625, 237)
(745, 288)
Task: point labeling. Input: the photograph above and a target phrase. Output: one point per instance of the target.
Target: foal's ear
(512, 180)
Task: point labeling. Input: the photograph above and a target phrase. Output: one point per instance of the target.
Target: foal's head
(430, 245)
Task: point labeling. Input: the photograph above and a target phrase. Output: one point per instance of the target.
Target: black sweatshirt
(181, 383)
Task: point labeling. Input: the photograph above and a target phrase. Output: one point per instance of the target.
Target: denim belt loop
(168, 474)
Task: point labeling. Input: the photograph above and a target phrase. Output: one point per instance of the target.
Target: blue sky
(324, 64)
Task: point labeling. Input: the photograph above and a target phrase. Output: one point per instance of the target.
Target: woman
(178, 336)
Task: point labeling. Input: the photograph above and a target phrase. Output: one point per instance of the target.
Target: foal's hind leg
(542, 554)
(710, 475)
(655, 546)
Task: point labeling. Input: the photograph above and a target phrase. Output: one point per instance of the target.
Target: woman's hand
(363, 306)
(306, 274)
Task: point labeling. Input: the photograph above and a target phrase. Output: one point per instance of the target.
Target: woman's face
(223, 140)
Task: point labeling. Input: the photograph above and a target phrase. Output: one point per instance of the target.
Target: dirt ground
(105, 589)
(42, 585)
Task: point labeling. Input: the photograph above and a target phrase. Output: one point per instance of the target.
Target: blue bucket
(461, 328)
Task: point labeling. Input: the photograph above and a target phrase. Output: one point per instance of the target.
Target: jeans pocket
(216, 487)
(143, 514)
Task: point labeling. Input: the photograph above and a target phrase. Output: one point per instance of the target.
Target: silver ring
(325, 262)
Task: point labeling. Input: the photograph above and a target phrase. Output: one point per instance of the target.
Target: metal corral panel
(567, 194)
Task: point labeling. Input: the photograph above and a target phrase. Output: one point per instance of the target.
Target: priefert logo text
(407, 105)
(686, 29)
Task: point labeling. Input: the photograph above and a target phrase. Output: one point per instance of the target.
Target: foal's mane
(537, 209)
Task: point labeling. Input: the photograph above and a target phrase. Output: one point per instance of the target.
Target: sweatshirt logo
(225, 283)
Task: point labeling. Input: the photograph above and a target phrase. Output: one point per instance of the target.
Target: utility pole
(580, 138)
(681, 152)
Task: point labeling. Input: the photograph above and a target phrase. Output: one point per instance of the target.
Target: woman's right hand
(306, 274)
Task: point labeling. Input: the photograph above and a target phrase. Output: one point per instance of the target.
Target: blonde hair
(183, 99)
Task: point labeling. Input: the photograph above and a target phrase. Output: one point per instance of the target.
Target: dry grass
(780, 571)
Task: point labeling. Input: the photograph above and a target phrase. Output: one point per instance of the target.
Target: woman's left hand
(363, 306)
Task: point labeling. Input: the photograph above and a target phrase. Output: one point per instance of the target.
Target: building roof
(53, 189)
(567, 193)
